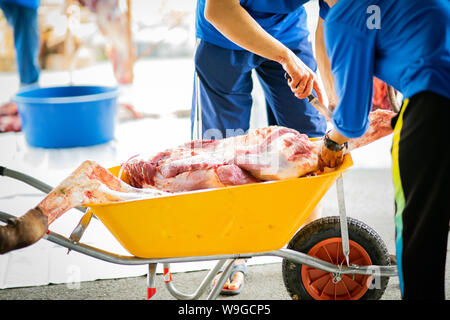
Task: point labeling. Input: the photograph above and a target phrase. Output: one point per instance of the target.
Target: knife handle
(315, 102)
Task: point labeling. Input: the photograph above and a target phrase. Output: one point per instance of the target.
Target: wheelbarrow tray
(249, 218)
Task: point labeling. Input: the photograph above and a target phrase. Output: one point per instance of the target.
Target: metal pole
(343, 218)
(197, 130)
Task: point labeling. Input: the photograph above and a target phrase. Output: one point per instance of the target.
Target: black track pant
(421, 174)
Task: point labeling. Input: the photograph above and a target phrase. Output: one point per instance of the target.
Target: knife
(315, 102)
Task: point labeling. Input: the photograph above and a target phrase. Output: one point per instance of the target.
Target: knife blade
(315, 102)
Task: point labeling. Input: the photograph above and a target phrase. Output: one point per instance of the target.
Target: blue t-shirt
(26, 3)
(405, 43)
(285, 20)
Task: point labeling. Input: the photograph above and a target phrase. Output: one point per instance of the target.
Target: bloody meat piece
(8, 109)
(271, 153)
(380, 126)
(10, 123)
(9, 118)
(380, 98)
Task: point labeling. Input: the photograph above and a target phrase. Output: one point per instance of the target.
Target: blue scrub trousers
(24, 21)
(225, 86)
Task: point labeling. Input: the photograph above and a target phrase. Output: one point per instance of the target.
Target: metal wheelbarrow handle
(6, 172)
(25, 178)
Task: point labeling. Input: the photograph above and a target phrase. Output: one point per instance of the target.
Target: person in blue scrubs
(224, 66)
(405, 43)
(236, 37)
(22, 16)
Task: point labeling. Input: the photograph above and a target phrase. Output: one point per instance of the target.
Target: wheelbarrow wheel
(322, 239)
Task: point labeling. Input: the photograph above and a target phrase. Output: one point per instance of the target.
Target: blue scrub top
(410, 51)
(26, 3)
(285, 20)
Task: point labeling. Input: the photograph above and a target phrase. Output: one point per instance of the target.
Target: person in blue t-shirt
(235, 38)
(22, 15)
(405, 43)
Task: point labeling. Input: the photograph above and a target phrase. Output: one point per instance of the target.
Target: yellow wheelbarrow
(329, 258)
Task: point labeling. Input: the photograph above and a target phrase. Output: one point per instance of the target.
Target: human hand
(301, 79)
(332, 106)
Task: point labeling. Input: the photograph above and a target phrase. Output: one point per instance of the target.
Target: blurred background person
(22, 16)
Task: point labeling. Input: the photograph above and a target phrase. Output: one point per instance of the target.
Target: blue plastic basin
(70, 116)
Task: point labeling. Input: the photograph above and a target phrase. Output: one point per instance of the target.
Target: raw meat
(10, 123)
(265, 154)
(380, 126)
(380, 95)
(89, 183)
(9, 118)
(271, 153)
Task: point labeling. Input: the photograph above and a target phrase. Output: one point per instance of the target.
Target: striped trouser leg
(421, 175)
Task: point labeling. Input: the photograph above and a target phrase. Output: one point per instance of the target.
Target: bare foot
(234, 284)
(236, 281)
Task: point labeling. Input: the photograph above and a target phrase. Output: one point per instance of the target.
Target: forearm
(337, 137)
(324, 65)
(237, 25)
(234, 22)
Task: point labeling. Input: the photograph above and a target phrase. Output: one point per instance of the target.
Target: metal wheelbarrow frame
(225, 261)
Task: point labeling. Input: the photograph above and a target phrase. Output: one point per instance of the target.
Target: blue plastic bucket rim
(113, 93)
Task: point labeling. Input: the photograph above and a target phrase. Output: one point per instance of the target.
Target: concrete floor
(263, 282)
(369, 198)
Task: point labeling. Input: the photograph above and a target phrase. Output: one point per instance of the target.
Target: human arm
(236, 24)
(352, 54)
(324, 65)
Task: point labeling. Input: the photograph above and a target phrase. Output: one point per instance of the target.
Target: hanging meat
(114, 24)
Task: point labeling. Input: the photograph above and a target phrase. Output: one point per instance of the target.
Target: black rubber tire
(329, 227)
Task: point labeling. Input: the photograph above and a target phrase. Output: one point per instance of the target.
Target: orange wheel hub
(322, 285)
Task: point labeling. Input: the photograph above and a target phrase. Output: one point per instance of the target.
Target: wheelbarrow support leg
(204, 284)
(151, 275)
(222, 279)
(167, 276)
